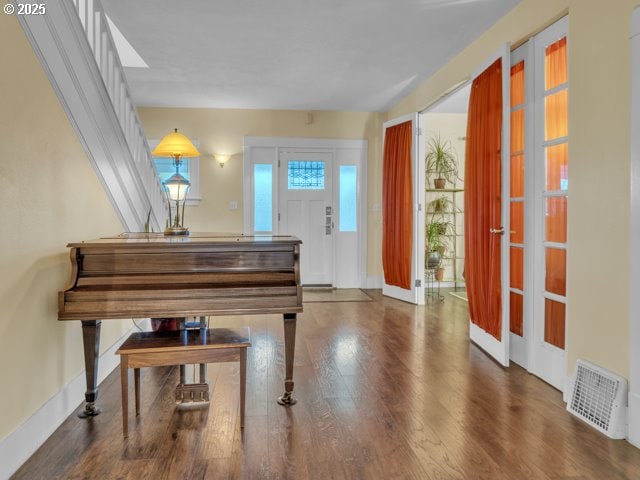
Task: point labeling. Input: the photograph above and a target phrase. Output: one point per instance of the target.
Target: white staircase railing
(74, 44)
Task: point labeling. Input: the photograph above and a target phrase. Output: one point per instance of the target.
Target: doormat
(316, 295)
(461, 294)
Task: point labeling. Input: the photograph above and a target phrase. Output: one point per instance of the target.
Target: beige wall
(222, 131)
(44, 173)
(599, 112)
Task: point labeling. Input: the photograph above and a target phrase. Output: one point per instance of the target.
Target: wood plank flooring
(385, 390)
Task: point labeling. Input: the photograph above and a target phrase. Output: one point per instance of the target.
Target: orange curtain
(397, 206)
(557, 175)
(482, 200)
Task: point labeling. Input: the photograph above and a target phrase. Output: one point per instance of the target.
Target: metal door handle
(497, 230)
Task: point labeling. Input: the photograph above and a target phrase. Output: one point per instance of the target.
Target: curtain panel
(397, 206)
(482, 200)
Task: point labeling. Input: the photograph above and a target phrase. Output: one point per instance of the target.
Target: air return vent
(599, 398)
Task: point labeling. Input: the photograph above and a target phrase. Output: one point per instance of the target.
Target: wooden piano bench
(165, 348)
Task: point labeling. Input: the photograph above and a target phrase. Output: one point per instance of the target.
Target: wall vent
(599, 397)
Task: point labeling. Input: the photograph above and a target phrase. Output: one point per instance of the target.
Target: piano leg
(289, 350)
(91, 340)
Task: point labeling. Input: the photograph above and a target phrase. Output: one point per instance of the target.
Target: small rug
(315, 295)
(461, 294)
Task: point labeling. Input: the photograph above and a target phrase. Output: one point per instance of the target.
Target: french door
(550, 197)
(538, 198)
(306, 211)
(413, 291)
(490, 284)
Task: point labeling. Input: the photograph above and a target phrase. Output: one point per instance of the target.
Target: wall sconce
(221, 158)
(177, 146)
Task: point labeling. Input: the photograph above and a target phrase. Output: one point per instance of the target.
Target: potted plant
(436, 245)
(441, 162)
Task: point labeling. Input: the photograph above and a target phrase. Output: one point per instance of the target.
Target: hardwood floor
(385, 390)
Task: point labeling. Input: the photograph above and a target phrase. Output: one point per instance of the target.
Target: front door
(306, 211)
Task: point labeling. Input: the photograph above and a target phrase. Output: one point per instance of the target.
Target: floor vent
(599, 398)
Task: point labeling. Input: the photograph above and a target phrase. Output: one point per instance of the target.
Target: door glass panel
(348, 191)
(556, 271)
(555, 64)
(517, 176)
(515, 313)
(517, 222)
(517, 131)
(515, 267)
(304, 175)
(556, 219)
(262, 199)
(557, 167)
(554, 313)
(517, 84)
(555, 107)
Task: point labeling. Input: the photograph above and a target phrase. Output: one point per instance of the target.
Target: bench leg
(124, 386)
(243, 383)
(136, 377)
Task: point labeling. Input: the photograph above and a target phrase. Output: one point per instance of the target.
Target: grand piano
(151, 275)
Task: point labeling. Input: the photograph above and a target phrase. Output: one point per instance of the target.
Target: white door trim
(269, 148)
(634, 242)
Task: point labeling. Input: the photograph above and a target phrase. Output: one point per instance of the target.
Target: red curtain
(397, 206)
(482, 200)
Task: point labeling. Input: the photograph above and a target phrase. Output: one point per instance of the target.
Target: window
(305, 175)
(189, 168)
(262, 197)
(348, 198)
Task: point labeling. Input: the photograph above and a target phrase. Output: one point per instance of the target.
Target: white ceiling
(350, 55)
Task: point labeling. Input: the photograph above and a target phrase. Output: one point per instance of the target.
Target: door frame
(415, 294)
(634, 242)
(266, 150)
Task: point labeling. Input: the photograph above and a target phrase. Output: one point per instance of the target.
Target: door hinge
(419, 131)
(418, 282)
(419, 207)
(278, 163)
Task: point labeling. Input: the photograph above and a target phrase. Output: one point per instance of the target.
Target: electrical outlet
(233, 205)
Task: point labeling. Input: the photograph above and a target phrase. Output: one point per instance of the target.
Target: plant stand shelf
(432, 290)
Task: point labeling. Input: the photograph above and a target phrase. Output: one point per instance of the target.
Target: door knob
(497, 230)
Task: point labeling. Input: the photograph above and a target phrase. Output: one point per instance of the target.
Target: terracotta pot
(439, 274)
(439, 183)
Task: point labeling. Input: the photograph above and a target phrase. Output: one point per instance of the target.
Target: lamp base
(176, 231)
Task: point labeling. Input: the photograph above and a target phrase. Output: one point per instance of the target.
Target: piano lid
(198, 238)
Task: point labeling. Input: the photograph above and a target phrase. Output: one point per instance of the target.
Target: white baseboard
(568, 389)
(20, 444)
(634, 419)
(374, 282)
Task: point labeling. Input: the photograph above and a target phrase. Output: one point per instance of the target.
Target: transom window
(305, 175)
